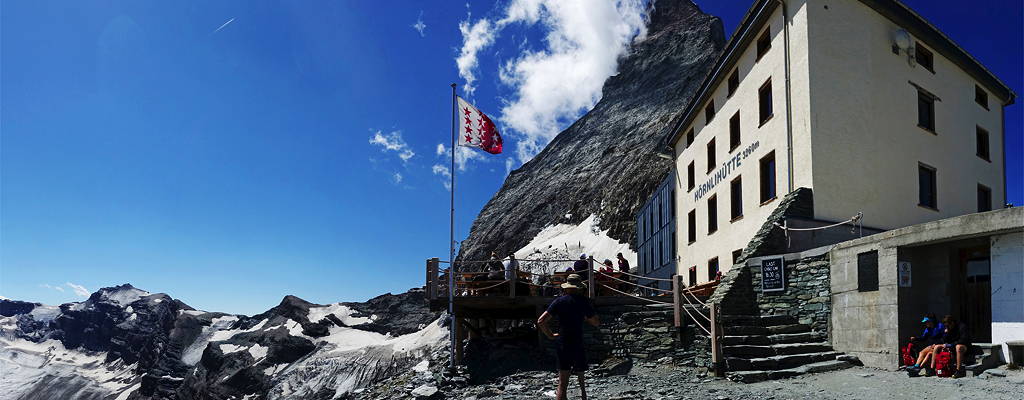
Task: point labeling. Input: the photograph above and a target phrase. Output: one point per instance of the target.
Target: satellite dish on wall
(901, 39)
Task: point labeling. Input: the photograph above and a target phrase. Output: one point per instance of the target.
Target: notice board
(773, 274)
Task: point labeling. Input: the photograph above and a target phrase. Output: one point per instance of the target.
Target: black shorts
(571, 356)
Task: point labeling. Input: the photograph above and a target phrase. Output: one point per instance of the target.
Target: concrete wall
(868, 324)
(1007, 260)
(866, 142)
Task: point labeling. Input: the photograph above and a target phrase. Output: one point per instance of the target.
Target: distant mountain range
(124, 343)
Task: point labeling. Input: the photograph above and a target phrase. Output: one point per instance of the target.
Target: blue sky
(230, 153)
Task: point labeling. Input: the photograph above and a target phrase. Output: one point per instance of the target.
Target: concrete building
(970, 267)
(864, 102)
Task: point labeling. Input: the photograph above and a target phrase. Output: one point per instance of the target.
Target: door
(976, 299)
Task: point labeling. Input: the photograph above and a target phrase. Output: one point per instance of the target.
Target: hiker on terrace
(581, 266)
(623, 263)
(571, 309)
(511, 265)
(607, 266)
(494, 267)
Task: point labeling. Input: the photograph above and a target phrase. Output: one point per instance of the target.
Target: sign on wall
(773, 274)
(904, 273)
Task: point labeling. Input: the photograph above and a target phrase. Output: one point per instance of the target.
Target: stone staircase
(758, 348)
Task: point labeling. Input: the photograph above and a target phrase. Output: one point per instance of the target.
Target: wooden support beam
(460, 333)
(432, 267)
(591, 291)
(677, 300)
(716, 350)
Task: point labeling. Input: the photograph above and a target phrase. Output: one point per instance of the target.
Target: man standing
(623, 263)
(571, 309)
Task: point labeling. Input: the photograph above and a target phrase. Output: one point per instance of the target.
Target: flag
(477, 130)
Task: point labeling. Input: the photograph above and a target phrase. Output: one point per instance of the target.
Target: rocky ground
(653, 381)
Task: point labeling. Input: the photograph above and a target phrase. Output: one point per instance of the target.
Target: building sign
(773, 274)
(724, 171)
(904, 273)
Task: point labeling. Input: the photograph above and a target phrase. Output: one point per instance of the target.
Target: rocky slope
(125, 343)
(605, 164)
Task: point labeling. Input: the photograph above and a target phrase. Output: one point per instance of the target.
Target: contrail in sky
(222, 26)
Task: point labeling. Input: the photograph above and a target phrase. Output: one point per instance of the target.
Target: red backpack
(907, 355)
(944, 362)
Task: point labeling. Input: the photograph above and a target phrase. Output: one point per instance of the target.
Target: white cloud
(556, 84)
(463, 155)
(475, 37)
(46, 286)
(78, 289)
(510, 163)
(446, 173)
(441, 149)
(397, 177)
(419, 26)
(393, 142)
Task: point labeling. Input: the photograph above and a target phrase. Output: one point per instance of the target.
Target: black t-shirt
(571, 310)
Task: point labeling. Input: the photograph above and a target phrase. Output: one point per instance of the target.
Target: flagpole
(451, 242)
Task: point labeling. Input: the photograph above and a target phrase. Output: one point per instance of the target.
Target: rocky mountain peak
(605, 164)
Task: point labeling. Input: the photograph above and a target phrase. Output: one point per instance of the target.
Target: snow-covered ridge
(565, 241)
(122, 295)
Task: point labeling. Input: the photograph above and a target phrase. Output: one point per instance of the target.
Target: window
(734, 132)
(734, 82)
(661, 216)
(925, 111)
(693, 275)
(764, 102)
(736, 198)
(981, 136)
(736, 255)
(712, 214)
(711, 155)
(689, 137)
(690, 179)
(691, 226)
(767, 168)
(672, 205)
(712, 269)
(709, 112)
(926, 187)
(981, 96)
(984, 198)
(924, 57)
(867, 271)
(764, 43)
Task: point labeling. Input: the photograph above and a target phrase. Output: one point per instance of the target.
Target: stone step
(751, 351)
(789, 328)
(758, 320)
(802, 337)
(757, 376)
(758, 340)
(778, 362)
(744, 330)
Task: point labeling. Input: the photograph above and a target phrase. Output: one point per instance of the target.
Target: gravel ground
(667, 382)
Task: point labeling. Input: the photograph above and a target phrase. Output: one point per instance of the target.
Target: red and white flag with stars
(477, 130)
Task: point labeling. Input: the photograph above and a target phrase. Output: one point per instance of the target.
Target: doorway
(976, 293)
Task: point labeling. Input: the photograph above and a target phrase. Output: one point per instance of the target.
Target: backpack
(944, 362)
(907, 355)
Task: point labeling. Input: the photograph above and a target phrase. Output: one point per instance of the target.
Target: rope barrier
(855, 218)
(646, 277)
(695, 322)
(486, 287)
(635, 284)
(635, 296)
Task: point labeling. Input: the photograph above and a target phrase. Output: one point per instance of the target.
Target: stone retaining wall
(807, 296)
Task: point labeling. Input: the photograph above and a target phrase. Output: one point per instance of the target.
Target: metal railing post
(512, 280)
